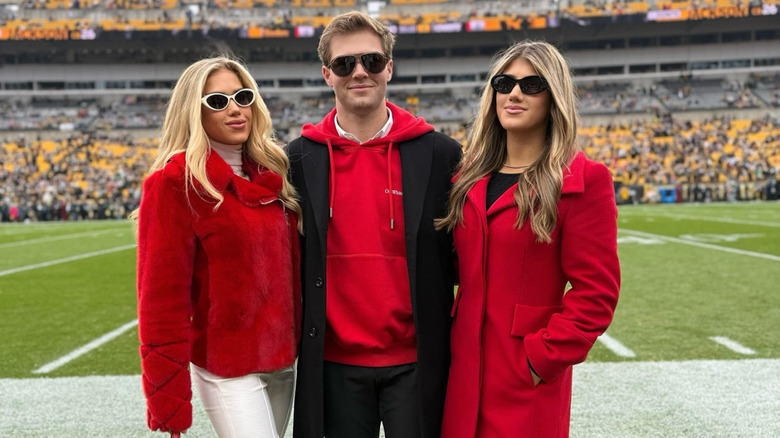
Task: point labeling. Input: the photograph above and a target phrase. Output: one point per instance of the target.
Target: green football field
(694, 339)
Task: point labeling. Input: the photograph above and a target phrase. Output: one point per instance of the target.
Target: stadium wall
(451, 72)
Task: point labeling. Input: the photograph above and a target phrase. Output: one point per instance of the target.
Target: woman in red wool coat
(530, 216)
(218, 261)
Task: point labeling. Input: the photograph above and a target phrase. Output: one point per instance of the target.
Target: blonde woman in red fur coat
(218, 261)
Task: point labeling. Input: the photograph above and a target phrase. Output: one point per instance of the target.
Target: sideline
(627, 399)
(65, 260)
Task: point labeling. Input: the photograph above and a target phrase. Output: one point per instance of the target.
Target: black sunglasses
(504, 84)
(219, 101)
(344, 65)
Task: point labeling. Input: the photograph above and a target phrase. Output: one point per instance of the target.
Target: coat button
(318, 282)
(313, 332)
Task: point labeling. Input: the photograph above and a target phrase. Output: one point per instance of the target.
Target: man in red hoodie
(378, 278)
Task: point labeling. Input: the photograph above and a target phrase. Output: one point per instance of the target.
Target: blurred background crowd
(679, 98)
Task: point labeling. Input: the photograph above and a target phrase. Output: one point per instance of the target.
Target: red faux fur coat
(220, 289)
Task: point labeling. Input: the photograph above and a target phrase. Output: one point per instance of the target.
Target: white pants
(257, 405)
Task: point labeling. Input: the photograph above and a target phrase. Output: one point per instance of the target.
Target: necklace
(517, 167)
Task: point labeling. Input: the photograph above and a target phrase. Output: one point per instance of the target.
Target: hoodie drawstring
(332, 173)
(390, 183)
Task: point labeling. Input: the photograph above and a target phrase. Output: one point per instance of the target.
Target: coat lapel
(315, 164)
(506, 200)
(573, 182)
(477, 195)
(416, 159)
(574, 175)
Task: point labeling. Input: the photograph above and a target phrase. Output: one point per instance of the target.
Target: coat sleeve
(166, 252)
(589, 261)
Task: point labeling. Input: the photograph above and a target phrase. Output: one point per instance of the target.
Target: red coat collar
(574, 175)
(573, 182)
(263, 185)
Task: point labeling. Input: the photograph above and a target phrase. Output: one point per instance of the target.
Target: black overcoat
(427, 164)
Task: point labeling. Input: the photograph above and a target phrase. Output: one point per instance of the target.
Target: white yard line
(15, 228)
(61, 237)
(86, 348)
(718, 219)
(65, 260)
(702, 245)
(732, 345)
(616, 346)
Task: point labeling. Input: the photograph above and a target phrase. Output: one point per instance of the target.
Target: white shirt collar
(381, 133)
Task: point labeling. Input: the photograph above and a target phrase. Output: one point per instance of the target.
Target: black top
(498, 184)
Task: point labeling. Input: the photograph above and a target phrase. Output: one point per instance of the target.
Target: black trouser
(358, 398)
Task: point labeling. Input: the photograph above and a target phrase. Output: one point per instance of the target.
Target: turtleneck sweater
(232, 156)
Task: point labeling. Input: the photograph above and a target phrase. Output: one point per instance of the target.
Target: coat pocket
(531, 319)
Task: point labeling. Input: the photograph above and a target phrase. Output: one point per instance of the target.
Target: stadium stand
(77, 178)
(679, 112)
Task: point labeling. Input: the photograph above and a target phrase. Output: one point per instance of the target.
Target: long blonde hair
(183, 131)
(539, 187)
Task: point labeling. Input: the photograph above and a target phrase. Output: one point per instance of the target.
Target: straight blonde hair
(539, 187)
(183, 131)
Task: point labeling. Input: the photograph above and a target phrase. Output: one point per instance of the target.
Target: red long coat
(220, 289)
(511, 307)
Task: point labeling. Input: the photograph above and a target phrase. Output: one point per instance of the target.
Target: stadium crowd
(179, 15)
(80, 177)
(90, 176)
(718, 159)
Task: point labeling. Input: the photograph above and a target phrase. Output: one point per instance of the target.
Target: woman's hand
(536, 378)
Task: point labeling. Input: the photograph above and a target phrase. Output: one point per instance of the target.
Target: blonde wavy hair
(183, 131)
(539, 187)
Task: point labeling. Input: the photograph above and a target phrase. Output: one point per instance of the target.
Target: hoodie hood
(405, 127)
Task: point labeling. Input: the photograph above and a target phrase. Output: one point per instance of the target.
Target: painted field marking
(718, 238)
(711, 219)
(732, 345)
(639, 240)
(65, 260)
(37, 227)
(702, 245)
(616, 346)
(86, 348)
(61, 237)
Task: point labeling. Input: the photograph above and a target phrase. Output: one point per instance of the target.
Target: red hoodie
(369, 309)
